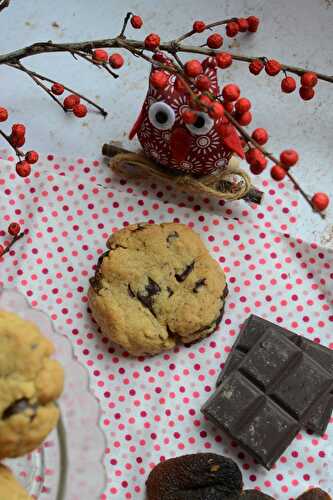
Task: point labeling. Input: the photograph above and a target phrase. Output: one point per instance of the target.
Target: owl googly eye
(203, 124)
(161, 116)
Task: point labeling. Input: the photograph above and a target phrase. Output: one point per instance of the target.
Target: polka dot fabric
(151, 407)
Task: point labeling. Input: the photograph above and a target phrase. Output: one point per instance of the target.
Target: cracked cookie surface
(156, 286)
(10, 489)
(30, 382)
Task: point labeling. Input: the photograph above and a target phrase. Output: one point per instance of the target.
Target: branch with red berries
(14, 230)
(230, 108)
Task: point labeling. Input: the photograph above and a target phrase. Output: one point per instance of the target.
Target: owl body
(197, 149)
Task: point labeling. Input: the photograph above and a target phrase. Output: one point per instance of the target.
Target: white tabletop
(298, 32)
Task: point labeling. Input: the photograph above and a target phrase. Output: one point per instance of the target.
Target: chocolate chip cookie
(10, 489)
(30, 382)
(156, 286)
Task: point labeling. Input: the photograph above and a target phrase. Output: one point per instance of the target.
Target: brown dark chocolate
(318, 420)
(263, 403)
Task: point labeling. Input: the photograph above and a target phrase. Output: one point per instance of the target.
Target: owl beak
(180, 144)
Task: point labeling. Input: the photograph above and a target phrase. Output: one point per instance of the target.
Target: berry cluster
(17, 139)
(233, 27)
(14, 230)
(197, 86)
(308, 79)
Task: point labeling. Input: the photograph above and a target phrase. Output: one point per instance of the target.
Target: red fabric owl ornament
(197, 149)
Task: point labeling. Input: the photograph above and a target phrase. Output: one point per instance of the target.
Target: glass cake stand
(68, 466)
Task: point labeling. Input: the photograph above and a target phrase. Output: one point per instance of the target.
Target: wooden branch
(4, 4)
(131, 46)
(208, 185)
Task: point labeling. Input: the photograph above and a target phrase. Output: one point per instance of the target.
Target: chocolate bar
(264, 402)
(252, 330)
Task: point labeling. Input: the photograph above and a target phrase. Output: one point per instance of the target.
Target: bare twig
(208, 27)
(39, 83)
(9, 246)
(19, 153)
(4, 4)
(127, 18)
(46, 79)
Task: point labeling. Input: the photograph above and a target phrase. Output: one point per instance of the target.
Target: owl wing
(137, 125)
(233, 143)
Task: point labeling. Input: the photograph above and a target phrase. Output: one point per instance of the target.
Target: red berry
(289, 157)
(18, 129)
(57, 89)
(3, 114)
(216, 110)
(14, 228)
(306, 93)
(278, 172)
(17, 141)
(309, 79)
(243, 24)
(1, 250)
(320, 201)
(179, 85)
(159, 79)
(203, 82)
(244, 118)
(193, 68)
(189, 116)
(232, 29)
(80, 110)
(243, 105)
(100, 56)
(23, 168)
(260, 135)
(152, 41)
(288, 84)
(215, 41)
(272, 67)
(253, 23)
(259, 168)
(231, 92)
(31, 157)
(116, 61)
(199, 26)
(254, 156)
(205, 101)
(136, 22)
(71, 100)
(229, 106)
(256, 66)
(160, 57)
(224, 60)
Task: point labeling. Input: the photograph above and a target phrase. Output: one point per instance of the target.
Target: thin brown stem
(98, 65)
(4, 4)
(269, 155)
(39, 83)
(19, 153)
(127, 18)
(208, 27)
(9, 246)
(70, 90)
